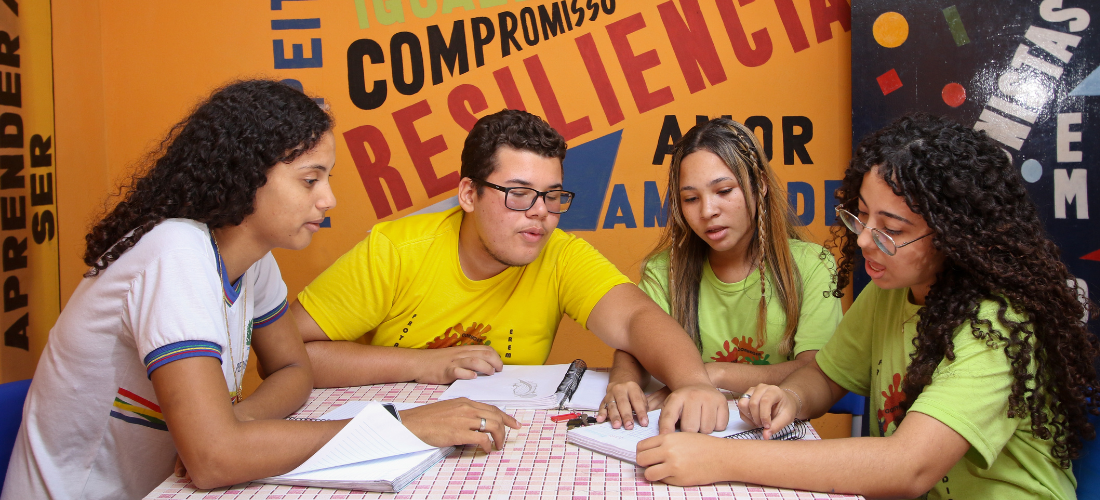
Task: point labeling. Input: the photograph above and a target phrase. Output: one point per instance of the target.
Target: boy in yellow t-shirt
(404, 283)
(450, 295)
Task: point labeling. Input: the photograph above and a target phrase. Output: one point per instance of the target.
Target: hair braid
(761, 265)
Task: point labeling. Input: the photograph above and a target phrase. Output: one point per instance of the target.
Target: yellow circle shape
(891, 29)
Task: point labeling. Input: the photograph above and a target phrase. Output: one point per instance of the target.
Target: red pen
(564, 417)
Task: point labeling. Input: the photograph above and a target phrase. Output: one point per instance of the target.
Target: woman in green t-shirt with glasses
(969, 341)
(734, 269)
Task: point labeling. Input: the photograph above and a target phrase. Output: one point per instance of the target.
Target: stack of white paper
(374, 452)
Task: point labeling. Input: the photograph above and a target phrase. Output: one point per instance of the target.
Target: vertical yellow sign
(28, 204)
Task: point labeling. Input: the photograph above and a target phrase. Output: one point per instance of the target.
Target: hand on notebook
(443, 366)
(698, 408)
(683, 459)
(768, 406)
(457, 422)
(622, 402)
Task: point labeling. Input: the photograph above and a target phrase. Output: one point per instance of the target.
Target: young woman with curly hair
(147, 359)
(733, 268)
(969, 341)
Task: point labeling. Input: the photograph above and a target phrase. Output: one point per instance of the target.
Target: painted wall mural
(622, 81)
(1026, 72)
(406, 79)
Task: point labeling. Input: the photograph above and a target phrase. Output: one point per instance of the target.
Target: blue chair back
(855, 405)
(12, 396)
(851, 403)
(1087, 467)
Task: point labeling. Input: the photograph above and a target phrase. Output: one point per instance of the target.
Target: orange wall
(126, 70)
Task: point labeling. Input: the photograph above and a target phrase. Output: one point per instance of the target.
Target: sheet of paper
(352, 408)
(518, 383)
(371, 435)
(593, 387)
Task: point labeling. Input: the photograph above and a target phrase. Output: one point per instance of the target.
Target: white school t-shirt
(92, 426)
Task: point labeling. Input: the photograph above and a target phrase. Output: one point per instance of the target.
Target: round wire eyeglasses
(881, 239)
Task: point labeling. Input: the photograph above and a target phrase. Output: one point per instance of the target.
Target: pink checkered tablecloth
(536, 464)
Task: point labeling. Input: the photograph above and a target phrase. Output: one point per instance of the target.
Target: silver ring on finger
(482, 428)
(746, 396)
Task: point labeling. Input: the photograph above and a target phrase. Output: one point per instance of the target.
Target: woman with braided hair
(969, 342)
(734, 269)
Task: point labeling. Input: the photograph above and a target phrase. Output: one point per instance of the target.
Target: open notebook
(538, 387)
(374, 452)
(623, 444)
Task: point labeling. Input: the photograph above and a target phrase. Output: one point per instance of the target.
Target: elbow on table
(208, 479)
(215, 467)
(923, 482)
(900, 492)
(206, 482)
(912, 485)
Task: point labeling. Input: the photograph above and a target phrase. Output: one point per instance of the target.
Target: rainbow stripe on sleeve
(271, 317)
(134, 409)
(180, 350)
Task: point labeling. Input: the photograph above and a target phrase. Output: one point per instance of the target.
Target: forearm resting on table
(260, 448)
(875, 467)
(339, 363)
(348, 364)
(216, 447)
(739, 377)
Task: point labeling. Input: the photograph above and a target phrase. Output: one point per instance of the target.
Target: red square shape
(889, 82)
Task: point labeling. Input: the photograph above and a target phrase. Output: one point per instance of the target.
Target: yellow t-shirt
(869, 355)
(404, 285)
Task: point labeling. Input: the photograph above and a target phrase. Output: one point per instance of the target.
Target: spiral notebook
(623, 444)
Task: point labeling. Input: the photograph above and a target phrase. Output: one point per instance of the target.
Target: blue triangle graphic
(1090, 86)
(588, 169)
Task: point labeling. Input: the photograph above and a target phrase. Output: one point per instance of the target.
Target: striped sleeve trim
(180, 350)
(271, 317)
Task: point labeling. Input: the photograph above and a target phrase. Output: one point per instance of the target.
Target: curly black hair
(517, 129)
(210, 164)
(964, 185)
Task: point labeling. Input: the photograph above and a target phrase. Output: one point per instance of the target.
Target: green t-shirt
(727, 311)
(869, 355)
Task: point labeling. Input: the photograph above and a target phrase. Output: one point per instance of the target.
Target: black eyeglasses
(521, 199)
(883, 240)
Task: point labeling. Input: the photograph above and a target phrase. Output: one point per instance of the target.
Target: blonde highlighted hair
(774, 224)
